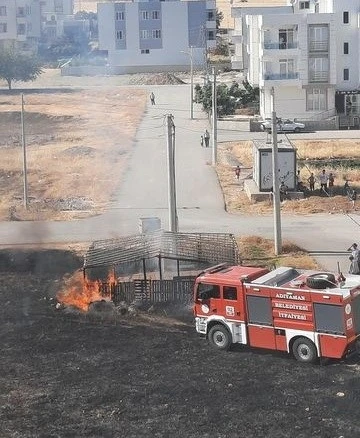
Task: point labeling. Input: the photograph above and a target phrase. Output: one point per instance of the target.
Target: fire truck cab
(307, 313)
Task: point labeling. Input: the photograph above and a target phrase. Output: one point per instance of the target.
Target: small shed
(263, 175)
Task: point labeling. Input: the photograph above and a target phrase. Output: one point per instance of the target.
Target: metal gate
(178, 290)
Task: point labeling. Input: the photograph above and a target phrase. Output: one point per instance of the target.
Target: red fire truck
(306, 313)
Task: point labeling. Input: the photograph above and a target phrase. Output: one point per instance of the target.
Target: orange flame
(81, 292)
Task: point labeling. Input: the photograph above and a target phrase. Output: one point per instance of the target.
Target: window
(3, 27)
(2, 11)
(20, 12)
(144, 34)
(211, 35)
(144, 15)
(305, 5)
(21, 29)
(145, 51)
(287, 68)
(319, 38)
(346, 48)
(156, 33)
(210, 16)
(316, 100)
(346, 17)
(120, 16)
(286, 39)
(207, 291)
(319, 69)
(346, 74)
(59, 7)
(155, 15)
(119, 35)
(229, 293)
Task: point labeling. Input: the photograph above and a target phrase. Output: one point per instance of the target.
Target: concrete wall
(310, 125)
(90, 70)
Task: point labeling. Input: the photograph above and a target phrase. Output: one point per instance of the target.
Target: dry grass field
(313, 156)
(77, 143)
(258, 251)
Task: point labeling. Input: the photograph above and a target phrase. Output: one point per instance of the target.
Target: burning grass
(80, 292)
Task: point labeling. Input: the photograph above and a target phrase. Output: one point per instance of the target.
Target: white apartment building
(308, 51)
(54, 15)
(23, 22)
(20, 24)
(156, 35)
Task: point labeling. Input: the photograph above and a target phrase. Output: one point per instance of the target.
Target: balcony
(319, 76)
(280, 46)
(280, 76)
(319, 46)
(236, 37)
(237, 63)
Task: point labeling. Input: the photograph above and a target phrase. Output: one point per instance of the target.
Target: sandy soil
(71, 375)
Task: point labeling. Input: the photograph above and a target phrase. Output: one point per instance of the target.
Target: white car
(283, 126)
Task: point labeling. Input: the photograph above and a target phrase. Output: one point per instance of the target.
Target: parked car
(283, 125)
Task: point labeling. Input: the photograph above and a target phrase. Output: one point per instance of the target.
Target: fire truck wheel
(220, 337)
(321, 281)
(304, 350)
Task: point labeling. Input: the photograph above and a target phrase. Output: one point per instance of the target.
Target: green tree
(228, 98)
(219, 18)
(16, 66)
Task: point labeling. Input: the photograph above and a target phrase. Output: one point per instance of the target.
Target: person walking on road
(152, 98)
(354, 259)
(206, 138)
(237, 172)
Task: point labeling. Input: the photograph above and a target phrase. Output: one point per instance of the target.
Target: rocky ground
(67, 374)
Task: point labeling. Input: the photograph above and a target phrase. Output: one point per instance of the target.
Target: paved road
(143, 191)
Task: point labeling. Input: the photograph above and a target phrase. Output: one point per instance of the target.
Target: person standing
(206, 138)
(331, 181)
(237, 172)
(311, 181)
(323, 181)
(354, 259)
(152, 98)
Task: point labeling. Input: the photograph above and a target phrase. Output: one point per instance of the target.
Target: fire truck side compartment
(329, 319)
(356, 313)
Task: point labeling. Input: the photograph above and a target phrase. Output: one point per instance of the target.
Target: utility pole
(173, 220)
(24, 152)
(191, 84)
(214, 119)
(275, 172)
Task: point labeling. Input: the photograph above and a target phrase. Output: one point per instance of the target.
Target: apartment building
(308, 51)
(20, 24)
(156, 35)
(23, 22)
(55, 15)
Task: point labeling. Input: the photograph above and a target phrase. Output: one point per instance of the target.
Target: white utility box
(262, 173)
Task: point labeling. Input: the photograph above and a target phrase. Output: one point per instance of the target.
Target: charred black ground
(64, 374)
